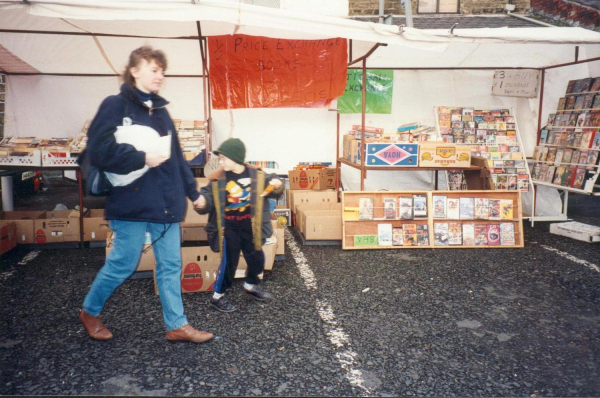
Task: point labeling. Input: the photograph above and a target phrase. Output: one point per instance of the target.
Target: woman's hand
(154, 159)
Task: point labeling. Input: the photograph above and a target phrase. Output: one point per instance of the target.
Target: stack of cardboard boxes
(313, 201)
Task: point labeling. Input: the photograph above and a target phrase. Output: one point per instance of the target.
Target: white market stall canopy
(94, 37)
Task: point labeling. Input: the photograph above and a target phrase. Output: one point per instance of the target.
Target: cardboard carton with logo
(440, 154)
(57, 226)
(315, 179)
(199, 267)
(384, 155)
(24, 221)
(8, 235)
(95, 227)
(147, 261)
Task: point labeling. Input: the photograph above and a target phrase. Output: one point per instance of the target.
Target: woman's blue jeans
(122, 261)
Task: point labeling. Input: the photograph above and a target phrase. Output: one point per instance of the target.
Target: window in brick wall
(438, 6)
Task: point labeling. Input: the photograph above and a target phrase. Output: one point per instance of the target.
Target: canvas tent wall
(62, 59)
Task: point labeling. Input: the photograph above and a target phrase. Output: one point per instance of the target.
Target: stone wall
(467, 7)
(567, 12)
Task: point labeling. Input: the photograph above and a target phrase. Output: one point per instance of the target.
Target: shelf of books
(431, 219)
(567, 153)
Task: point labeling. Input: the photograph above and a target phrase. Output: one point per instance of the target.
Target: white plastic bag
(143, 138)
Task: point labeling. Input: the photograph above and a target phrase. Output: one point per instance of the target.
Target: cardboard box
(147, 261)
(269, 251)
(25, 223)
(301, 209)
(8, 235)
(297, 198)
(192, 227)
(57, 226)
(439, 154)
(278, 229)
(316, 179)
(350, 148)
(199, 267)
(193, 233)
(95, 227)
(403, 155)
(322, 225)
(576, 230)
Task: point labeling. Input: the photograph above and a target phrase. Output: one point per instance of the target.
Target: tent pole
(576, 53)
(207, 145)
(363, 171)
(539, 124)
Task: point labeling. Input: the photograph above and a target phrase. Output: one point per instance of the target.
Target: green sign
(380, 84)
(365, 240)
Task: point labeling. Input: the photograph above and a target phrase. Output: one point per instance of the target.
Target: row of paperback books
(461, 234)
(405, 235)
(574, 119)
(573, 177)
(579, 138)
(192, 135)
(581, 94)
(466, 208)
(569, 156)
(408, 208)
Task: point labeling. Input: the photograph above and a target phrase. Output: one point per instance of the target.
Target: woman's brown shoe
(94, 326)
(188, 333)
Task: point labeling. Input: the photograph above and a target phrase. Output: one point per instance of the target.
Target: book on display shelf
(455, 234)
(405, 203)
(467, 209)
(365, 211)
(410, 234)
(422, 235)
(389, 208)
(397, 236)
(481, 235)
(440, 233)
(453, 208)
(493, 234)
(482, 210)
(384, 234)
(506, 209)
(468, 234)
(507, 234)
(420, 205)
(439, 206)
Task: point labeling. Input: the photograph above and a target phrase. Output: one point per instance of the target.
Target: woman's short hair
(136, 57)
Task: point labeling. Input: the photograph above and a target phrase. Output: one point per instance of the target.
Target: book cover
(596, 104)
(507, 234)
(468, 234)
(389, 208)
(575, 157)
(578, 137)
(596, 141)
(454, 234)
(571, 86)
(544, 153)
(506, 209)
(561, 104)
(466, 208)
(592, 159)
(481, 235)
(439, 206)
(570, 139)
(560, 152)
(579, 178)
(543, 172)
(365, 211)
(482, 210)
(397, 236)
(595, 87)
(422, 235)
(523, 182)
(550, 174)
(567, 155)
(583, 157)
(453, 208)
(493, 234)
(578, 102)
(588, 101)
(410, 234)
(551, 157)
(513, 181)
(544, 136)
(494, 206)
(558, 175)
(570, 104)
(406, 207)
(384, 234)
(420, 205)
(440, 233)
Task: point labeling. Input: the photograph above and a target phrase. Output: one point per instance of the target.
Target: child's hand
(200, 203)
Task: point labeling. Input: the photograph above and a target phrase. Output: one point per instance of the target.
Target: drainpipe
(535, 21)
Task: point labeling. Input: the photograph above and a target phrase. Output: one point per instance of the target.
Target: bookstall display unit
(423, 219)
(569, 146)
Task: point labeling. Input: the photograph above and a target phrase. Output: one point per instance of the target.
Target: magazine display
(567, 153)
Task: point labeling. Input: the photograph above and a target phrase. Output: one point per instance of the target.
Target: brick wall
(371, 7)
(567, 12)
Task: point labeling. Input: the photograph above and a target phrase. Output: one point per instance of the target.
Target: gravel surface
(490, 322)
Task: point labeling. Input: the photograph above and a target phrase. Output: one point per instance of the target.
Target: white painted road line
(572, 258)
(346, 357)
(30, 256)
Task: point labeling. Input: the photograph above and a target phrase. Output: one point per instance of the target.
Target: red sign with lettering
(40, 236)
(261, 72)
(191, 279)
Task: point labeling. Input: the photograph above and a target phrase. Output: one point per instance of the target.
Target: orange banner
(261, 72)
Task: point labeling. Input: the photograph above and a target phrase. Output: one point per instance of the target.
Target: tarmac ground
(460, 322)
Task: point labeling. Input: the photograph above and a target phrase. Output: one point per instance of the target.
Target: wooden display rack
(350, 228)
